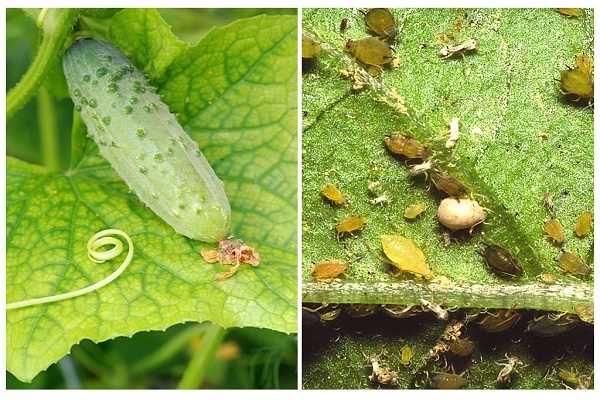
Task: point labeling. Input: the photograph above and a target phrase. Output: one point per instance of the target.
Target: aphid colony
(446, 364)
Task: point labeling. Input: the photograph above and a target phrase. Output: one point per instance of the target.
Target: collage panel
(151, 198)
(447, 191)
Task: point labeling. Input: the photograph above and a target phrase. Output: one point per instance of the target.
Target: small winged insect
(406, 146)
(404, 255)
(381, 22)
(445, 380)
(448, 184)
(459, 214)
(372, 52)
(399, 311)
(332, 194)
(382, 374)
(499, 321)
(552, 324)
(361, 310)
(583, 226)
(232, 252)
(502, 262)
(576, 84)
(509, 369)
(553, 228)
(414, 210)
(310, 50)
(463, 48)
(462, 347)
(350, 225)
(406, 354)
(328, 270)
(570, 12)
(573, 264)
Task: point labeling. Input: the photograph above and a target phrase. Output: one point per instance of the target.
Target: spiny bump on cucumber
(144, 143)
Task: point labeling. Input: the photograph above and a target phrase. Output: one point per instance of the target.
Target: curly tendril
(95, 254)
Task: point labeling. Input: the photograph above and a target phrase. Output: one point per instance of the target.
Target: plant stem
(57, 25)
(48, 130)
(202, 358)
(78, 139)
(168, 350)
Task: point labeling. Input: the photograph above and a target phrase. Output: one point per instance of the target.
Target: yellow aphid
(333, 194)
(310, 47)
(573, 264)
(584, 224)
(404, 254)
(350, 225)
(571, 12)
(328, 270)
(554, 230)
(406, 355)
(576, 84)
(414, 210)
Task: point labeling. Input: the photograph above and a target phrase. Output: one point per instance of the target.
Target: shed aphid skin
(381, 374)
(502, 262)
(350, 225)
(333, 195)
(406, 146)
(553, 228)
(549, 202)
(95, 254)
(454, 133)
(405, 256)
(459, 214)
(509, 369)
(381, 22)
(465, 47)
(445, 380)
(583, 226)
(372, 52)
(576, 84)
(422, 168)
(144, 143)
(328, 270)
(499, 320)
(231, 252)
(437, 309)
(400, 311)
(573, 264)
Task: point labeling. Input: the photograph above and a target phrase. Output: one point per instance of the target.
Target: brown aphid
(499, 321)
(570, 12)
(552, 324)
(502, 262)
(444, 380)
(462, 347)
(328, 270)
(382, 23)
(574, 265)
(414, 210)
(584, 224)
(448, 184)
(343, 25)
(371, 51)
(576, 84)
(310, 47)
(554, 230)
(361, 310)
(468, 46)
(350, 225)
(406, 146)
(333, 194)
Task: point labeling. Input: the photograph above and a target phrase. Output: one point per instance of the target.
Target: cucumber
(144, 143)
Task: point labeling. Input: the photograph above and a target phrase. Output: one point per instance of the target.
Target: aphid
(462, 347)
(502, 262)
(422, 168)
(576, 84)
(404, 254)
(382, 374)
(574, 265)
(328, 270)
(371, 51)
(454, 133)
(509, 368)
(233, 252)
(468, 46)
(350, 225)
(333, 194)
(380, 200)
(499, 321)
(331, 313)
(382, 23)
(310, 47)
(444, 380)
(343, 25)
(406, 146)
(414, 210)
(437, 309)
(448, 184)
(552, 324)
(457, 214)
(585, 312)
(584, 224)
(554, 230)
(406, 354)
(361, 310)
(570, 12)
(399, 311)
(548, 278)
(549, 202)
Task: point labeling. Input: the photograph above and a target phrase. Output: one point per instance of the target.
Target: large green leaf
(235, 93)
(509, 90)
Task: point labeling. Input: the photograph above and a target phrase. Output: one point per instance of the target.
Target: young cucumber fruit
(144, 143)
